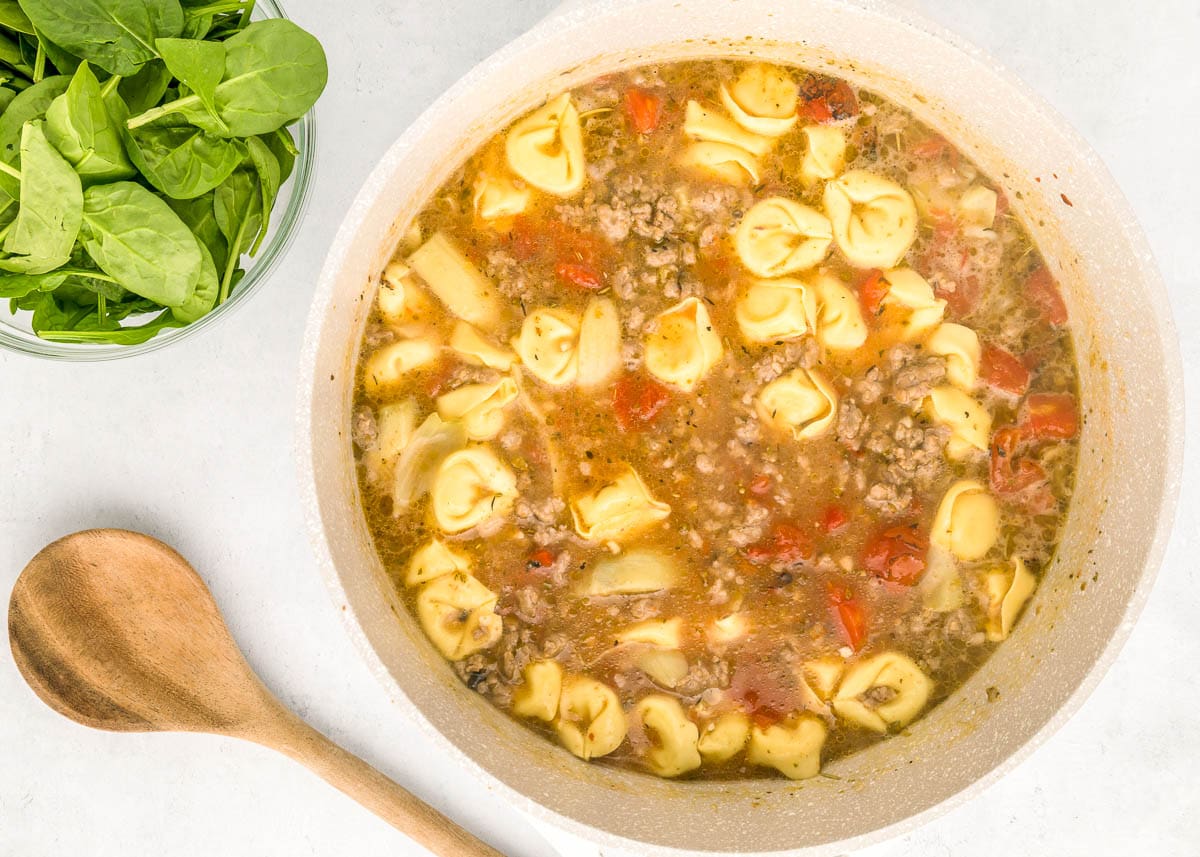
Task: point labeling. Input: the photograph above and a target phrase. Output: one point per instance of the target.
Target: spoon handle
(355, 778)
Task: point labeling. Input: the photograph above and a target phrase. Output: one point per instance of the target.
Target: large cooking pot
(1129, 462)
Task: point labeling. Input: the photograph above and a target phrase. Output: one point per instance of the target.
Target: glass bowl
(17, 335)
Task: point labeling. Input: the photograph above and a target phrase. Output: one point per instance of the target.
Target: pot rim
(369, 194)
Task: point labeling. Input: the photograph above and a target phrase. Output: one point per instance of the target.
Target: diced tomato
(523, 239)
(1009, 472)
(897, 554)
(760, 484)
(826, 99)
(787, 544)
(577, 274)
(1003, 371)
(1042, 292)
(637, 401)
(851, 616)
(1050, 416)
(871, 292)
(762, 691)
(963, 300)
(644, 110)
(541, 558)
(834, 519)
(934, 148)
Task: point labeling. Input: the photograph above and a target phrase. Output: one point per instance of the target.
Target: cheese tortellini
(1006, 590)
(617, 510)
(456, 281)
(432, 560)
(960, 346)
(731, 164)
(893, 670)
(778, 236)
(498, 196)
(840, 325)
(388, 365)
(673, 737)
(539, 695)
(801, 402)
(681, 345)
(546, 148)
(725, 737)
(969, 422)
(475, 348)
(459, 615)
(910, 292)
(548, 345)
(402, 304)
(824, 155)
(711, 127)
(396, 423)
(977, 207)
(590, 721)
(635, 572)
(874, 219)
(793, 748)
(762, 100)
(480, 407)
(471, 486)
(599, 357)
(776, 310)
(967, 522)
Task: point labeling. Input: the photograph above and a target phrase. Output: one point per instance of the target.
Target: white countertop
(194, 445)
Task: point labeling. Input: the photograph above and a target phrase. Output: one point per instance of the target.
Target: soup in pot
(717, 419)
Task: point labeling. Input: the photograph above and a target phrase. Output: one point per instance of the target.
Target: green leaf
(204, 298)
(268, 184)
(113, 335)
(146, 88)
(198, 65)
(6, 97)
(140, 242)
(79, 125)
(13, 17)
(64, 61)
(19, 285)
(48, 221)
(238, 209)
(283, 147)
(30, 104)
(116, 35)
(201, 218)
(11, 56)
(274, 73)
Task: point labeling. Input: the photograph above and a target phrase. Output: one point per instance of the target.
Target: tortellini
(1007, 590)
(840, 325)
(910, 687)
(977, 207)
(959, 344)
(417, 465)
(498, 196)
(941, 584)
(475, 348)
(548, 345)
(388, 365)
(681, 345)
(667, 667)
(546, 148)
(724, 738)
(728, 628)
(480, 407)
(801, 402)
(599, 357)
(910, 292)
(776, 310)
(763, 100)
(395, 424)
(471, 486)
(456, 281)
(664, 633)
(731, 164)
(539, 695)
(778, 236)
(710, 127)
(617, 510)
(635, 572)
(824, 155)
(969, 422)
(402, 304)
(432, 560)
(823, 674)
(590, 721)
(793, 748)
(874, 219)
(672, 736)
(458, 614)
(967, 522)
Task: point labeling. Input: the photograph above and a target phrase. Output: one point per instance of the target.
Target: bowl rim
(286, 224)
(1173, 427)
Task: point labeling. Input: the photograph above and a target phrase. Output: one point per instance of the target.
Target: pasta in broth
(717, 419)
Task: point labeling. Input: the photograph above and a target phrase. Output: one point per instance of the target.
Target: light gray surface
(194, 445)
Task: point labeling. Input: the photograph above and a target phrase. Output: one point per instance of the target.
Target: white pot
(1130, 455)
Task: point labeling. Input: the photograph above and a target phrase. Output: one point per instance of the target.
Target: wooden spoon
(116, 631)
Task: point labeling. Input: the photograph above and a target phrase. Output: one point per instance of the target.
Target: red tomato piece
(765, 692)
(935, 148)
(786, 544)
(577, 274)
(897, 554)
(644, 110)
(851, 616)
(1050, 416)
(637, 401)
(871, 292)
(1009, 472)
(540, 559)
(834, 519)
(760, 484)
(826, 99)
(1003, 371)
(1042, 292)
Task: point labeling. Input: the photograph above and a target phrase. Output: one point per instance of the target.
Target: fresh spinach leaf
(283, 147)
(197, 64)
(204, 297)
(19, 285)
(113, 335)
(30, 104)
(6, 97)
(267, 168)
(140, 242)
(49, 313)
(237, 205)
(13, 17)
(51, 208)
(80, 126)
(274, 73)
(201, 218)
(116, 35)
(63, 60)
(12, 56)
(146, 88)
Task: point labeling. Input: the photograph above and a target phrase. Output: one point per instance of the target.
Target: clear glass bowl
(17, 335)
